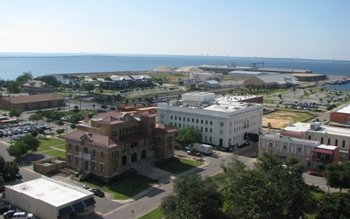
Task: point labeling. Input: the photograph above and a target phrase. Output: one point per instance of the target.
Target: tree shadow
(28, 159)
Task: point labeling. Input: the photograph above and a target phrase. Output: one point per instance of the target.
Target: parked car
(18, 176)
(9, 214)
(60, 129)
(98, 192)
(4, 209)
(316, 173)
(254, 155)
(86, 186)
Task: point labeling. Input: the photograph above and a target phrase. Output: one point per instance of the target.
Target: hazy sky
(316, 29)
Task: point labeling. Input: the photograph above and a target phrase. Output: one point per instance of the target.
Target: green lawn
(124, 188)
(155, 214)
(180, 166)
(46, 143)
(55, 153)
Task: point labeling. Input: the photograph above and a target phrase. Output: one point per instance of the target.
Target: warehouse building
(272, 81)
(47, 198)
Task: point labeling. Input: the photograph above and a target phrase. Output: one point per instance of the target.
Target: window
(115, 167)
(76, 147)
(93, 152)
(69, 158)
(171, 117)
(309, 137)
(206, 122)
(206, 129)
(221, 124)
(284, 147)
(197, 121)
(102, 167)
(329, 141)
(188, 119)
(93, 165)
(211, 130)
(343, 146)
(221, 132)
(175, 117)
(102, 154)
(211, 122)
(192, 120)
(86, 150)
(336, 142)
(299, 149)
(179, 118)
(322, 140)
(69, 146)
(77, 160)
(201, 121)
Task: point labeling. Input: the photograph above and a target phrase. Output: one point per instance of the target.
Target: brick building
(110, 143)
(340, 117)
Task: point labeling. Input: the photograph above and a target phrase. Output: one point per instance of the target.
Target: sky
(315, 29)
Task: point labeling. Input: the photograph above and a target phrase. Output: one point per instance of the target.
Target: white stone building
(223, 121)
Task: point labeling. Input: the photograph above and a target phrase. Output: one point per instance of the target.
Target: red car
(316, 172)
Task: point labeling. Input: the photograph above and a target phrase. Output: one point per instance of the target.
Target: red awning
(322, 151)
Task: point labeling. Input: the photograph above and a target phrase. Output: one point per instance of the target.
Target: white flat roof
(50, 191)
(328, 147)
(303, 127)
(345, 109)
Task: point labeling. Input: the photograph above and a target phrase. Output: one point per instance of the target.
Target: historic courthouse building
(109, 143)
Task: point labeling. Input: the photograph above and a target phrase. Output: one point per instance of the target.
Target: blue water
(12, 66)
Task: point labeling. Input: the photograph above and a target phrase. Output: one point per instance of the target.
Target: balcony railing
(328, 159)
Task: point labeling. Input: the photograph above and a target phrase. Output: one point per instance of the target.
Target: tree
(338, 175)
(188, 135)
(15, 113)
(76, 118)
(35, 117)
(23, 145)
(88, 86)
(334, 205)
(49, 80)
(10, 170)
(73, 125)
(24, 78)
(266, 190)
(60, 123)
(59, 131)
(193, 197)
(35, 133)
(13, 87)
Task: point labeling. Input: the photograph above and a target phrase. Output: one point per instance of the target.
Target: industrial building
(31, 102)
(224, 121)
(272, 81)
(47, 198)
